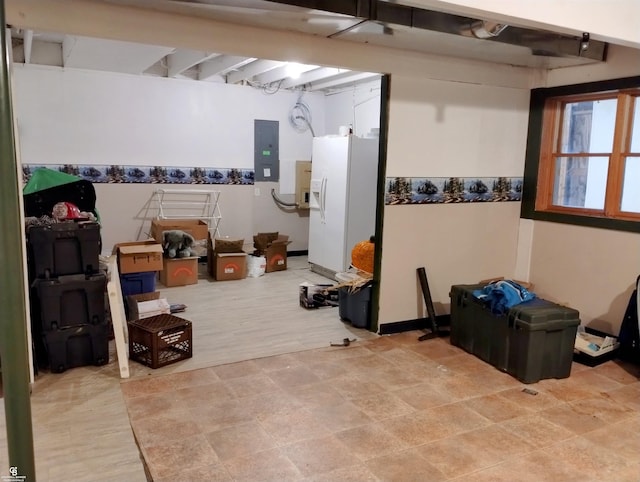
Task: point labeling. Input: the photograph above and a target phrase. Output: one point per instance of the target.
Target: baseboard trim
(410, 325)
(302, 252)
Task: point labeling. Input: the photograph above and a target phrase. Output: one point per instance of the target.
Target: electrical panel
(266, 155)
(303, 184)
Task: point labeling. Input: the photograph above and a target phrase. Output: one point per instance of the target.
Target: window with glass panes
(590, 155)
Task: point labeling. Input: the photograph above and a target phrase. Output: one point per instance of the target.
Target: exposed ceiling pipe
(27, 45)
(484, 30)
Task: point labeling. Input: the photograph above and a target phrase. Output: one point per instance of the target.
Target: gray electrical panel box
(266, 155)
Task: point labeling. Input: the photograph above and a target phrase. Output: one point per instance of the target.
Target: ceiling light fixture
(294, 69)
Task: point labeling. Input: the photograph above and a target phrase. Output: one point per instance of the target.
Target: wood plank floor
(80, 423)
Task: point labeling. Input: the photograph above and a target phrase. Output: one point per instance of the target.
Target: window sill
(587, 221)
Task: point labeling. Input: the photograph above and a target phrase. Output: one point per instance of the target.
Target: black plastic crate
(77, 346)
(354, 305)
(63, 248)
(160, 340)
(70, 301)
(533, 341)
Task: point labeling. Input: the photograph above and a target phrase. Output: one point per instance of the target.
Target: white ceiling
(126, 57)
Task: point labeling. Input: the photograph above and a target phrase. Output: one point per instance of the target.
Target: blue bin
(138, 283)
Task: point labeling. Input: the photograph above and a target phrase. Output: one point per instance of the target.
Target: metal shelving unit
(190, 203)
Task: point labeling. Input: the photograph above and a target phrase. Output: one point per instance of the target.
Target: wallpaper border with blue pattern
(445, 190)
(130, 174)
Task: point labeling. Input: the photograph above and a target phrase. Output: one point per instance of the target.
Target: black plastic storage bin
(63, 249)
(70, 301)
(541, 340)
(138, 283)
(533, 341)
(475, 329)
(355, 305)
(77, 346)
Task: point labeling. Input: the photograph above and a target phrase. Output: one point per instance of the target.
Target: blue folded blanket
(502, 295)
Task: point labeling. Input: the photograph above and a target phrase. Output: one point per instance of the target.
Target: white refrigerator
(344, 173)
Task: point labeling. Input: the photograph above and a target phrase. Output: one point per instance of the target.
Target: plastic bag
(256, 266)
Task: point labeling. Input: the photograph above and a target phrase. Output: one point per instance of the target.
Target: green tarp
(43, 178)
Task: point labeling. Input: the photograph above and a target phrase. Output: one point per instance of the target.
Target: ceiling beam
(313, 76)
(221, 65)
(341, 79)
(282, 72)
(181, 60)
(254, 68)
(355, 8)
(110, 55)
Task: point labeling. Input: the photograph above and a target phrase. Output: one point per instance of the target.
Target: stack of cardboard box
(138, 263)
(226, 260)
(181, 271)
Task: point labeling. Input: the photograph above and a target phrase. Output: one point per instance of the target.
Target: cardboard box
(138, 256)
(276, 254)
(179, 271)
(146, 305)
(317, 295)
(228, 266)
(197, 228)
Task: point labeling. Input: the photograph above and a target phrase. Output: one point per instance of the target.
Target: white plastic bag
(256, 266)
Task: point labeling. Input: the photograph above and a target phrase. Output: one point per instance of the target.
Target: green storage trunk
(541, 340)
(533, 341)
(475, 329)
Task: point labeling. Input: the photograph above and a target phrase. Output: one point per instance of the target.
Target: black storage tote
(71, 301)
(63, 249)
(541, 340)
(533, 341)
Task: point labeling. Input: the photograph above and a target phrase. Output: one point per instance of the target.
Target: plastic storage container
(70, 301)
(160, 340)
(354, 301)
(533, 341)
(475, 329)
(138, 283)
(63, 249)
(77, 346)
(355, 305)
(541, 340)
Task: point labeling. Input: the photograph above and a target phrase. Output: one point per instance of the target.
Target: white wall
(90, 117)
(592, 270)
(80, 117)
(620, 62)
(357, 106)
(444, 129)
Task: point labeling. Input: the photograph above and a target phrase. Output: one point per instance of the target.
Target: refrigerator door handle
(323, 198)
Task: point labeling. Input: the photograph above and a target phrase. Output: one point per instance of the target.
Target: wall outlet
(256, 191)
